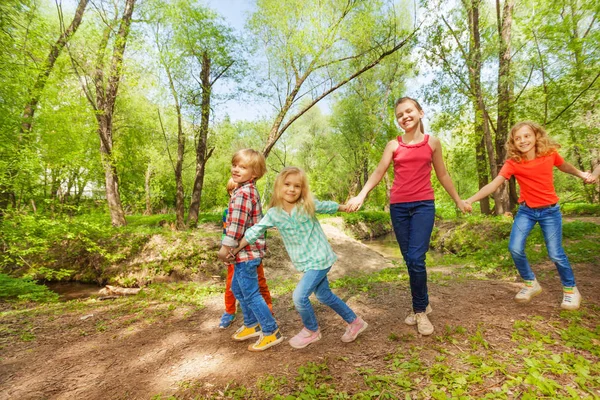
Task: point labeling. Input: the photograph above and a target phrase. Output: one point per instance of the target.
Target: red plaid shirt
(245, 210)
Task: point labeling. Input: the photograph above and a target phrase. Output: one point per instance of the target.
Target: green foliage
(366, 216)
(24, 289)
(568, 209)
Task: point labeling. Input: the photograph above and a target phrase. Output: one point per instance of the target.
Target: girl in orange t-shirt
(532, 155)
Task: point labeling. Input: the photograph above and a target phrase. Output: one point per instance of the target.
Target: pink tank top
(412, 172)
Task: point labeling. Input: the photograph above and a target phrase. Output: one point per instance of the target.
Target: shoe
(410, 318)
(531, 289)
(424, 326)
(245, 333)
(226, 320)
(571, 298)
(304, 338)
(266, 341)
(354, 329)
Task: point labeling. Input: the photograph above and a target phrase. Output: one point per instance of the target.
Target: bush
(580, 209)
(24, 289)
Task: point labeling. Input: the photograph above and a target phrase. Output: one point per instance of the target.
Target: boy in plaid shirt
(245, 210)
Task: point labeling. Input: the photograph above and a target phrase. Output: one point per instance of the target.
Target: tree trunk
(505, 83)
(147, 178)
(201, 149)
(481, 123)
(104, 105)
(111, 178)
(482, 174)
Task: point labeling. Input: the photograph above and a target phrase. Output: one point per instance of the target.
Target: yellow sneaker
(266, 341)
(245, 333)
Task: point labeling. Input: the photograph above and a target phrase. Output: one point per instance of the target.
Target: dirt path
(74, 357)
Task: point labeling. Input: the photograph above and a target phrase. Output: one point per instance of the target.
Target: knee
(516, 249)
(416, 264)
(300, 298)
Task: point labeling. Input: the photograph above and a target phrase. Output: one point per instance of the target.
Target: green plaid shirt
(302, 235)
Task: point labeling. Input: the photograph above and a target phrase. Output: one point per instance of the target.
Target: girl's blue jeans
(413, 224)
(315, 281)
(550, 220)
(244, 286)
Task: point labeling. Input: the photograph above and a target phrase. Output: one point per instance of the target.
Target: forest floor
(484, 343)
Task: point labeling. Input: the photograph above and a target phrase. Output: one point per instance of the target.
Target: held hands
(226, 254)
(464, 206)
(354, 204)
(588, 177)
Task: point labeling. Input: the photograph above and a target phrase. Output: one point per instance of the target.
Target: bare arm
(487, 189)
(570, 169)
(442, 174)
(356, 202)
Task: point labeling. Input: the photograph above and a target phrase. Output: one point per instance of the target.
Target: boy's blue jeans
(315, 281)
(550, 220)
(413, 224)
(244, 286)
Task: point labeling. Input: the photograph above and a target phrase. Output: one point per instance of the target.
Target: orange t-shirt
(535, 178)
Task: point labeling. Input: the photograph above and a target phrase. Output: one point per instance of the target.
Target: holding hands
(354, 204)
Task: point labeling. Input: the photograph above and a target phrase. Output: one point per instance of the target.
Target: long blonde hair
(305, 202)
(544, 145)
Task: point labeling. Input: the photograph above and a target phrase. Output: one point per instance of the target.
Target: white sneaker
(410, 318)
(424, 326)
(531, 289)
(571, 298)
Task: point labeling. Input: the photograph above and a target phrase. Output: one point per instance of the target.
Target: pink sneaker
(354, 329)
(304, 338)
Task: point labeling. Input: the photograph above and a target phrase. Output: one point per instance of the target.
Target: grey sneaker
(410, 318)
(424, 326)
(531, 289)
(571, 298)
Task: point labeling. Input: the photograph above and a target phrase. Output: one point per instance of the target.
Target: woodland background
(112, 104)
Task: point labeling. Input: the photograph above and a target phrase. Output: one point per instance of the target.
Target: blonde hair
(253, 160)
(544, 145)
(416, 103)
(231, 185)
(305, 201)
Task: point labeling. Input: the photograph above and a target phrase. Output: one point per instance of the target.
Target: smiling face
(241, 172)
(524, 139)
(291, 189)
(408, 116)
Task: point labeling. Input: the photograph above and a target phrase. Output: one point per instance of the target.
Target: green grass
(543, 362)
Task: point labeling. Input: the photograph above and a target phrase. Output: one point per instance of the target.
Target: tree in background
(101, 93)
(10, 23)
(316, 47)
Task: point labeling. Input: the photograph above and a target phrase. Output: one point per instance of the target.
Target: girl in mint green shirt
(292, 211)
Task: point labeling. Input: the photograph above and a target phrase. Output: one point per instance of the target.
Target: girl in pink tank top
(412, 207)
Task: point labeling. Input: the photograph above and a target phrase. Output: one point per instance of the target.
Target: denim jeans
(244, 286)
(550, 220)
(413, 223)
(315, 281)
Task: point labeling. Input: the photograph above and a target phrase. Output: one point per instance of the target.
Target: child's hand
(464, 206)
(589, 177)
(354, 204)
(224, 253)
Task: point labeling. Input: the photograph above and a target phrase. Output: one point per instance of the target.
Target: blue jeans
(315, 281)
(550, 220)
(413, 223)
(244, 286)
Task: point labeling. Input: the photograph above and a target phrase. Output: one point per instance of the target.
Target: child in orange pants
(229, 315)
